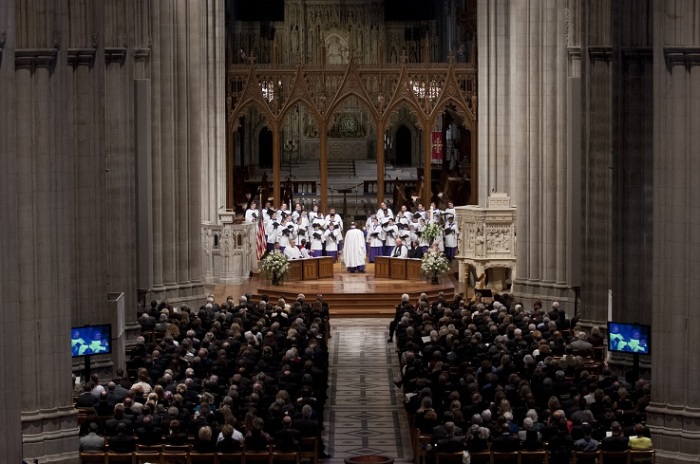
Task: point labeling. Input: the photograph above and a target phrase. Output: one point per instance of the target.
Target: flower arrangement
(434, 262)
(431, 232)
(275, 267)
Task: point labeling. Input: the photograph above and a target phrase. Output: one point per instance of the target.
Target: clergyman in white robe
(355, 251)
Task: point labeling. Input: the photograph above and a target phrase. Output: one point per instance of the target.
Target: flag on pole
(261, 241)
(436, 147)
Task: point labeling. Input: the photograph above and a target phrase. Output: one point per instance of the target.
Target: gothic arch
(337, 105)
(291, 105)
(262, 108)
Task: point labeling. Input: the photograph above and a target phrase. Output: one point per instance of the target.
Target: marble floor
(365, 412)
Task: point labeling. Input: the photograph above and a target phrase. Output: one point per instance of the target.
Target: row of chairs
(542, 457)
(185, 455)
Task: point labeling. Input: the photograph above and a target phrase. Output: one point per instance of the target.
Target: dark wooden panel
(310, 268)
(381, 266)
(398, 268)
(325, 267)
(413, 269)
(295, 270)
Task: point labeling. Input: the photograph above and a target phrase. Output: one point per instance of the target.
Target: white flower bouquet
(275, 266)
(434, 263)
(430, 232)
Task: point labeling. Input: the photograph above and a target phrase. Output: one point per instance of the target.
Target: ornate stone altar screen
(426, 89)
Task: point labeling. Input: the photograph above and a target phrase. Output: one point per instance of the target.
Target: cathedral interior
(127, 124)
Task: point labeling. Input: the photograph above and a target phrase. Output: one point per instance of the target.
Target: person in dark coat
(287, 438)
(176, 435)
(122, 442)
(505, 442)
(149, 434)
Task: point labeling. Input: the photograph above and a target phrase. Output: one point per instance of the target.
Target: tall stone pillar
(529, 142)
(119, 154)
(496, 39)
(10, 408)
(159, 57)
(632, 160)
(198, 60)
(673, 412)
(595, 25)
(44, 231)
(178, 138)
(213, 122)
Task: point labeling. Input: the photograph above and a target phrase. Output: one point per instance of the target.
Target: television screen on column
(624, 337)
(91, 340)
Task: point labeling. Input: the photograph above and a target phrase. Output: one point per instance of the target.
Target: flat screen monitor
(624, 337)
(90, 340)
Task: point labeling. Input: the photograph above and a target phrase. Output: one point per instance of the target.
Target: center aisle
(365, 413)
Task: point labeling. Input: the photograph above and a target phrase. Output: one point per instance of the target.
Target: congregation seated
(215, 378)
(496, 369)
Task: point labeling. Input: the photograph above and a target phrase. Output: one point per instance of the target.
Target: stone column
(119, 154)
(10, 408)
(198, 60)
(675, 402)
(213, 125)
(181, 86)
(594, 22)
(45, 214)
(632, 160)
(540, 132)
(180, 36)
(500, 30)
(157, 64)
(166, 45)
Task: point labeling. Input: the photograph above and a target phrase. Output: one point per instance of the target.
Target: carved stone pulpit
(487, 239)
(228, 249)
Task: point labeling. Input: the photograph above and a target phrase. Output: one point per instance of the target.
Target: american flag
(261, 241)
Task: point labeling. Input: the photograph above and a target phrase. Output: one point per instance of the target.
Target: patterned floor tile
(364, 413)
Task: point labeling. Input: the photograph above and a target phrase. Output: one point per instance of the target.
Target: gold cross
(437, 146)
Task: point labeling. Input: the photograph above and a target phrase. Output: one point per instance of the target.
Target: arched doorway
(404, 146)
(265, 148)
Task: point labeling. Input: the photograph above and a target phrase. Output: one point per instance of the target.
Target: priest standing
(355, 251)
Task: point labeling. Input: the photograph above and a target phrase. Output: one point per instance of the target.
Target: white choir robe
(384, 215)
(292, 252)
(317, 241)
(354, 251)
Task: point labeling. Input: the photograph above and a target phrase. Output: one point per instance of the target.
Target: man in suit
(581, 345)
(148, 433)
(287, 438)
(415, 251)
(505, 442)
(122, 442)
(92, 441)
(309, 427)
(615, 442)
(112, 425)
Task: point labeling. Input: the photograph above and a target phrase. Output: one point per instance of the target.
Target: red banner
(437, 148)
